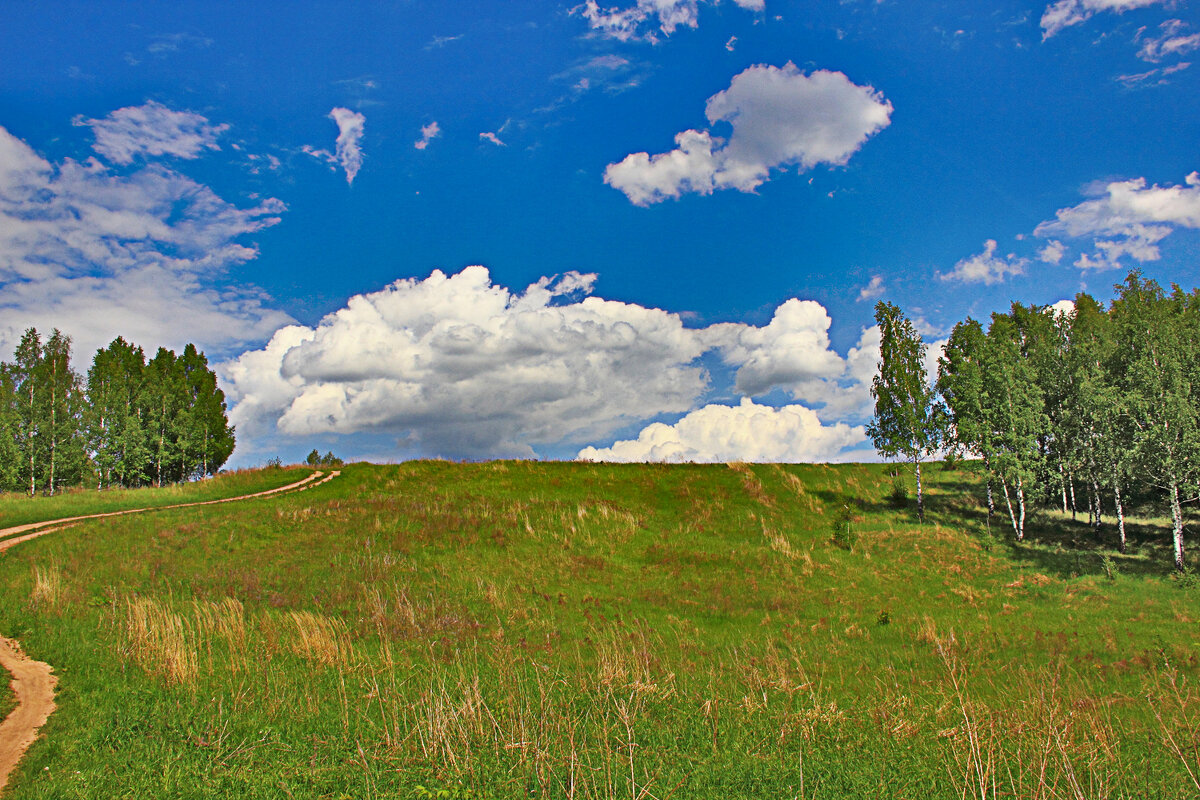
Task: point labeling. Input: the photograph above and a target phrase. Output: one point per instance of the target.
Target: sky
(650, 230)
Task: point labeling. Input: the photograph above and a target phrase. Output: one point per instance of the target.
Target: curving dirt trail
(33, 682)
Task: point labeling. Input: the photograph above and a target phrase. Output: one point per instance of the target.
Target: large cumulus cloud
(745, 432)
(456, 365)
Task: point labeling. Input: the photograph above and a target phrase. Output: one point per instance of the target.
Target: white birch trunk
(1120, 508)
(1177, 525)
(1011, 514)
(1021, 504)
(920, 495)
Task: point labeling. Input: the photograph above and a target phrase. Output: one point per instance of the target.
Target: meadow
(564, 630)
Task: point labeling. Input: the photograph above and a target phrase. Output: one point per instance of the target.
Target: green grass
(561, 630)
(19, 509)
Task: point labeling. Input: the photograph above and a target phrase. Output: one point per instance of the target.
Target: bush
(899, 495)
(843, 529)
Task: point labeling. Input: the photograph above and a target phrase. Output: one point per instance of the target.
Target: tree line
(1082, 408)
(130, 422)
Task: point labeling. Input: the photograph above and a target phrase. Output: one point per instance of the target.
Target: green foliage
(899, 495)
(315, 459)
(844, 535)
(131, 423)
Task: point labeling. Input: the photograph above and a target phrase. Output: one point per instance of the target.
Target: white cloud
(350, 131)
(780, 117)
(466, 367)
(489, 136)
(985, 267)
(873, 289)
(1053, 252)
(457, 366)
(1065, 13)
(428, 133)
(1171, 41)
(625, 24)
(731, 44)
(792, 348)
(746, 432)
(1127, 218)
(631, 22)
(152, 129)
(142, 255)
(1063, 308)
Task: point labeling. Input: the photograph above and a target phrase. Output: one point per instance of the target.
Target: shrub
(843, 528)
(899, 495)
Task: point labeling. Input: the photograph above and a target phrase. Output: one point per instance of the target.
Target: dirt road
(33, 682)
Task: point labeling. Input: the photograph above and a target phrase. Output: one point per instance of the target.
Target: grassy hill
(562, 630)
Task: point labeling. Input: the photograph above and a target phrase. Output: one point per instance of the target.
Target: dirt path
(46, 526)
(33, 682)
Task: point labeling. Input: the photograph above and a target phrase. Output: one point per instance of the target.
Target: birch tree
(906, 423)
(1013, 413)
(1156, 347)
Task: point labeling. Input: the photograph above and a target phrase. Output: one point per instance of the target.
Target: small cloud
(438, 42)
(780, 117)
(348, 153)
(488, 136)
(873, 289)
(985, 267)
(428, 133)
(151, 129)
(731, 43)
(1053, 252)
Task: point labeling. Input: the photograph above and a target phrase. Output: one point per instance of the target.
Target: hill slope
(519, 629)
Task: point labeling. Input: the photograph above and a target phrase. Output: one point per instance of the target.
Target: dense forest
(131, 422)
(1079, 408)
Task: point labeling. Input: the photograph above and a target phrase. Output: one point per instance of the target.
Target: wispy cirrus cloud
(646, 19)
(140, 254)
(151, 129)
(1065, 13)
(780, 118)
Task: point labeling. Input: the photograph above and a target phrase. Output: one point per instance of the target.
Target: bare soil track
(33, 682)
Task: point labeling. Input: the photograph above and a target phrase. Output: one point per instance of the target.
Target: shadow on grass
(1054, 544)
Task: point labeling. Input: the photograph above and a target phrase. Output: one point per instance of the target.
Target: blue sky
(651, 229)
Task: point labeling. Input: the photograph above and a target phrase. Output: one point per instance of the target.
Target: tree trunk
(1099, 520)
(1177, 526)
(1062, 482)
(1011, 514)
(1021, 504)
(53, 420)
(1120, 508)
(1071, 483)
(920, 495)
